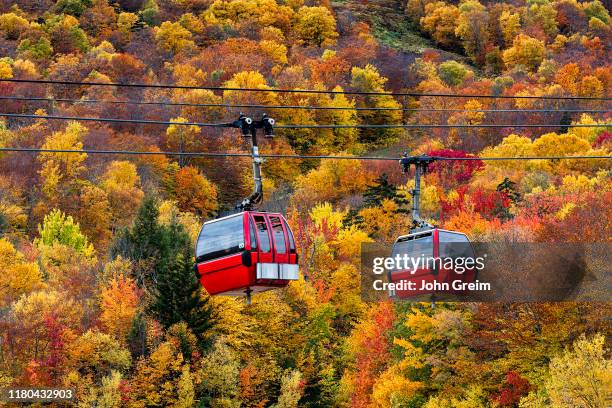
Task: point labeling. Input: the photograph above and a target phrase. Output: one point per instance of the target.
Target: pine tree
(508, 191)
(352, 218)
(384, 190)
(164, 264)
(178, 298)
(137, 337)
(508, 188)
(139, 242)
(149, 244)
(565, 122)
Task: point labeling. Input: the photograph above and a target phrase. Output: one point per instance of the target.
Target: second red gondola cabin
(430, 249)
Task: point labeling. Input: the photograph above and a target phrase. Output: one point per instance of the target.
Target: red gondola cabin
(433, 244)
(246, 251)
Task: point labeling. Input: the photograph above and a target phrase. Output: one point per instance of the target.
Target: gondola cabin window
(221, 238)
(290, 237)
(279, 235)
(454, 245)
(262, 230)
(415, 246)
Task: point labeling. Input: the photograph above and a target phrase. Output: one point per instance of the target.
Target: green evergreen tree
(179, 298)
(384, 190)
(151, 246)
(140, 242)
(508, 189)
(352, 218)
(137, 337)
(164, 265)
(565, 122)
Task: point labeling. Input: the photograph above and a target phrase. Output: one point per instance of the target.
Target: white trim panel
(277, 271)
(289, 271)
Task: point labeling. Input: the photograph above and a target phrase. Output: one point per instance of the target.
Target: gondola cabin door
(246, 251)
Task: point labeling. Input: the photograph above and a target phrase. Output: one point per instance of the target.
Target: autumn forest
(97, 289)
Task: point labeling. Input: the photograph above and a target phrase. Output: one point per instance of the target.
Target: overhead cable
(307, 91)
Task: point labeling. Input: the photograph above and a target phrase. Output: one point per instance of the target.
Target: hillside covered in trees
(97, 290)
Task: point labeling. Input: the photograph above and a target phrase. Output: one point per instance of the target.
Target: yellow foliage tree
(582, 376)
(277, 52)
(168, 211)
(332, 180)
(472, 28)
(110, 391)
(6, 72)
(589, 134)
(94, 214)
(188, 75)
(173, 37)
(235, 13)
(552, 144)
(125, 22)
(202, 97)
(474, 397)
(182, 138)
(346, 139)
(384, 221)
(348, 242)
(248, 79)
(291, 390)
(324, 216)
(18, 276)
(94, 358)
(391, 387)
(544, 16)
(195, 193)
(192, 23)
(526, 51)
(121, 183)
(62, 169)
(511, 146)
(25, 68)
(510, 24)
(440, 21)
(13, 25)
(29, 314)
(591, 86)
(156, 380)
(368, 79)
(218, 375)
(316, 26)
(436, 341)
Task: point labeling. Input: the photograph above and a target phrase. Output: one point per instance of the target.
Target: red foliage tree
(603, 139)
(489, 204)
(512, 390)
(453, 172)
(48, 369)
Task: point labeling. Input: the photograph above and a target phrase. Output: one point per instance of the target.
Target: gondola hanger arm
(248, 128)
(420, 163)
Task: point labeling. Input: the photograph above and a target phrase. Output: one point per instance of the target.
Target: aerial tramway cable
(302, 91)
(301, 107)
(297, 126)
(287, 156)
